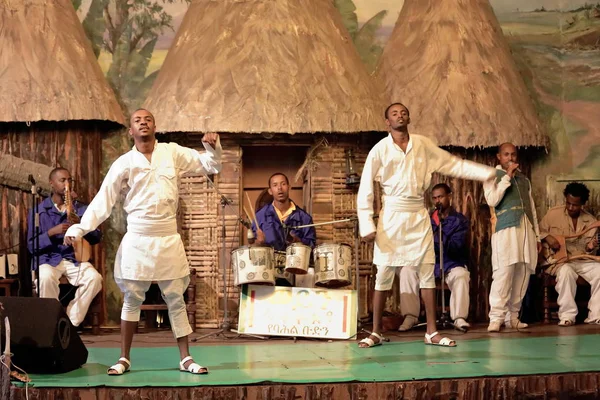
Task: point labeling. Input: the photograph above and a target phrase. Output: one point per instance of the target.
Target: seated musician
(571, 220)
(276, 221)
(57, 260)
(454, 236)
(455, 227)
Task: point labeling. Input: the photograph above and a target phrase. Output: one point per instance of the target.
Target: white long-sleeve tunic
(517, 244)
(151, 249)
(404, 236)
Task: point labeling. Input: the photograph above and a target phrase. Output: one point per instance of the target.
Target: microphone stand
(444, 320)
(35, 223)
(226, 324)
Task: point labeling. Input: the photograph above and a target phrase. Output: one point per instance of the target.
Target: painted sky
(365, 9)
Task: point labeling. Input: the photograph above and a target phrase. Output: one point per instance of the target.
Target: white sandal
(120, 368)
(193, 368)
(446, 342)
(370, 342)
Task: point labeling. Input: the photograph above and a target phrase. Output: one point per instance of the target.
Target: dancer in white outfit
(151, 250)
(403, 165)
(515, 239)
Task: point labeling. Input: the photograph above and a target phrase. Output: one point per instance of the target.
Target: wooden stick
(251, 208)
(248, 214)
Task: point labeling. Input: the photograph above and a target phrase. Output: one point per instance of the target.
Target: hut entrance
(260, 162)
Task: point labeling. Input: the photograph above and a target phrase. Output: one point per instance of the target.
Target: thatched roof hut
(55, 107)
(49, 71)
(258, 66)
(449, 62)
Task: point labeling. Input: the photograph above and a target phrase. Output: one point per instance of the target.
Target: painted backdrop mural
(556, 44)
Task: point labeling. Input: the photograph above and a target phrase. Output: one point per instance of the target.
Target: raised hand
(59, 229)
(369, 238)
(210, 138)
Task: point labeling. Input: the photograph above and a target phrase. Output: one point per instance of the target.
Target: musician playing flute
(515, 239)
(403, 165)
(151, 249)
(571, 219)
(56, 259)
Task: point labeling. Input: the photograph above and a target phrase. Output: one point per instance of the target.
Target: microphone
(511, 163)
(246, 223)
(32, 181)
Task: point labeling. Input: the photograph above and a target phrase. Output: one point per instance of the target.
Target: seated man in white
(454, 227)
(56, 259)
(571, 220)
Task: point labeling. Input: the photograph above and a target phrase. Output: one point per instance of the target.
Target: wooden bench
(550, 295)
(151, 310)
(8, 286)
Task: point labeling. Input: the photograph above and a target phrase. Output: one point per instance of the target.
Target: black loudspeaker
(42, 338)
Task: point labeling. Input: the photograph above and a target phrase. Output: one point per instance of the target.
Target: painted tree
(128, 30)
(365, 37)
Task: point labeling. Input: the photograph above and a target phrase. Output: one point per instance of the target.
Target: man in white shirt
(403, 165)
(515, 239)
(151, 249)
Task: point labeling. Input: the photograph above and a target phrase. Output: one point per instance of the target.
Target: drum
(282, 277)
(307, 280)
(253, 265)
(332, 265)
(297, 258)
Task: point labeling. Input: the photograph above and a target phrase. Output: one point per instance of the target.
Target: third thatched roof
(449, 63)
(48, 70)
(285, 66)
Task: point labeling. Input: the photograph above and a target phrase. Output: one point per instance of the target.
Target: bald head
(507, 146)
(507, 155)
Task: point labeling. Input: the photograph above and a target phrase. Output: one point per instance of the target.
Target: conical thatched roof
(449, 63)
(284, 66)
(48, 70)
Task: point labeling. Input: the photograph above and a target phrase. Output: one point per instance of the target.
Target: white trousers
(458, 282)
(84, 276)
(172, 293)
(509, 285)
(566, 286)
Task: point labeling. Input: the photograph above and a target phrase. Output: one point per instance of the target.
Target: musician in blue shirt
(277, 221)
(455, 227)
(55, 258)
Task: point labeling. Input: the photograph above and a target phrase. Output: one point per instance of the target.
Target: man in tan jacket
(571, 220)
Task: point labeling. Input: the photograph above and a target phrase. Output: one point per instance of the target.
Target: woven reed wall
(333, 200)
(200, 217)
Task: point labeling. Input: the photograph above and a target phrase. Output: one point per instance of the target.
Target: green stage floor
(343, 361)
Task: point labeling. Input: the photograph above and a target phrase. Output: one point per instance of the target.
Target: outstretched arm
(189, 160)
(102, 204)
(448, 164)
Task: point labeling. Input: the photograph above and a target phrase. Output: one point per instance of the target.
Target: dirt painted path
(585, 114)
